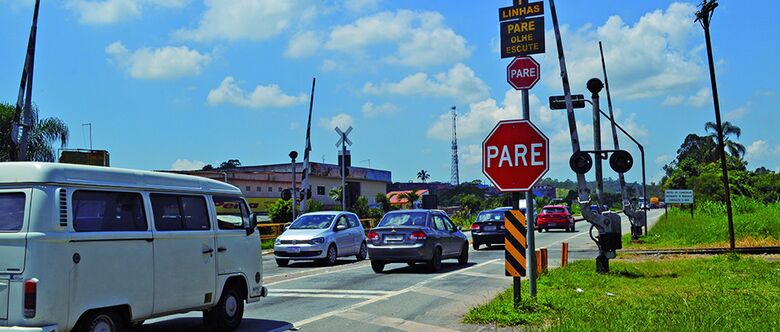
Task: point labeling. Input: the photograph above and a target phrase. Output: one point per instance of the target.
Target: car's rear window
(403, 219)
(11, 212)
(553, 210)
(490, 216)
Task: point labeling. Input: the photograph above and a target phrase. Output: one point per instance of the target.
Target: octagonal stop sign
(522, 73)
(515, 155)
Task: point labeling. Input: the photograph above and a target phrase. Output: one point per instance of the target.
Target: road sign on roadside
(515, 155)
(678, 196)
(520, 11)
(514, 243)
(522, 73)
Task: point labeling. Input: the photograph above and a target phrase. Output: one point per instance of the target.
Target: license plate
(294, 250)
(490, 228)
(394, 238)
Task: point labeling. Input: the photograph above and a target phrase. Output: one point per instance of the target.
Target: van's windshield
(312, 221)
(11, 212)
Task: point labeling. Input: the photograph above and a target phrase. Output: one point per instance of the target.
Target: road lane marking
(307, 274)
(485, 275)
(442, 293)
(345, 291)
(387, 296)
(392, 322)
(330, 296)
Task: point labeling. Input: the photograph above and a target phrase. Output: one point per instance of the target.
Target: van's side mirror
(250, 229)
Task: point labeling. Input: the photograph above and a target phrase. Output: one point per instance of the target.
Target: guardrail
(270, 231)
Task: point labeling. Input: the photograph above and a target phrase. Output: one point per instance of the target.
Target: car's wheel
(573, 227)
(363, 252)
(434, 265)
(332, 255)
(227, 314)
(282, 262)
(377, 266)
(475, 245)
(464, 254)
(539, 229)
(102, 321)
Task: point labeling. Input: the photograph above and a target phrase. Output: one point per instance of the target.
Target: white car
(322, 236)
(100, 249)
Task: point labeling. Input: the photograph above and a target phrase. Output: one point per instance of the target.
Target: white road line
(358, 265)
(486, 275)
(385, 297)
(330, 296)
(443, 293)
(392, 322)
(332, 291)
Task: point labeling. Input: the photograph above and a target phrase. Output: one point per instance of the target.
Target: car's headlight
(317, 240)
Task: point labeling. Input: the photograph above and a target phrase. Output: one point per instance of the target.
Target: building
(396, 198)
(263, 184)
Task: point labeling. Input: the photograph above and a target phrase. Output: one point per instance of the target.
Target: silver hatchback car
(322, 236)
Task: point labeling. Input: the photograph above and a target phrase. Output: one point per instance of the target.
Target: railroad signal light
(580, 162)
(621, 161)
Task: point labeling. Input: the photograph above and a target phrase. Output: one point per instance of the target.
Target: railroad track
(704, 251)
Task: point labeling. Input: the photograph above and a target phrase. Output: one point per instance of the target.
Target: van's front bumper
(48, 328)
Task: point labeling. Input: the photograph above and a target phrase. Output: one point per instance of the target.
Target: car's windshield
(11, 212)
(403, 219)
(491, 216)
(321, 221)
(553, 210)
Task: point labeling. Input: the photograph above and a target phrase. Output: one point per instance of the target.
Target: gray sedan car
(322, 236)
(412, 236)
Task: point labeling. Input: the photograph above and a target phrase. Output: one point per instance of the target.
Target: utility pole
(23, 118)
(454, 172)
(594, 86)
(293, 155)
(704, 17)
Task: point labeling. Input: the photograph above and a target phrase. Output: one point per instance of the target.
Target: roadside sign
(678, 196)
(559, 102)
(515, 155)
(514, 243)
(522, 73)
(522, 37)
(520, 11)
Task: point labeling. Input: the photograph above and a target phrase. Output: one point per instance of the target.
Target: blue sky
(179, 83)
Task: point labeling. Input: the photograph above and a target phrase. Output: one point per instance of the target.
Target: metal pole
(597, 142)
(293, 155)
(644, 183)
(344, 172)
(704, 16)
(24, 113)
(516, 285)
(529, 216)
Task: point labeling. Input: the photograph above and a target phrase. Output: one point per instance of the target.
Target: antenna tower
(454, 178)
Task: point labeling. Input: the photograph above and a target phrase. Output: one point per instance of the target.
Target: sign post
(343, 141)
(679, 196)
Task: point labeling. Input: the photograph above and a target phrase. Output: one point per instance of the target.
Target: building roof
(317, 169)
(395, 198)
(70, 174)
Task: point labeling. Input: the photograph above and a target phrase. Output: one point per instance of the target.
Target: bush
(375, 213)
(280, 212)
(470, 203)
(313, 206)
(382, 200)
(360, 207)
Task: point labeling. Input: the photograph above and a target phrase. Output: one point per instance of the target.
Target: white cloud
(738, 113)
(701, 98)
(247, 19)
(471, 154)
(263, 96)
(673, 101)
(158, 63)
(114, 11)
(761, 149)
(341, 120)
(657, 55)
(416, 38)
(459, 82)
(302, 45)
(662, 159)
(295, 125)
(104, 12)
(187, 165)
(359, 6)
(370, 110)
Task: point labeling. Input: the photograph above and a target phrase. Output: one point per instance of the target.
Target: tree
(423, 175)
(361, 207)
(410, 196)
(470, 203)
(382, 200)
(281, 211)
(335, 194)
(734, 148)
(43, 135)
(208, 167)
(232, 163)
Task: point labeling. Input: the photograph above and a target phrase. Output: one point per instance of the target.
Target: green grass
(755, 224)
(267, 244)
(722, 293)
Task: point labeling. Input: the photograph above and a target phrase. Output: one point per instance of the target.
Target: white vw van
(101, 249)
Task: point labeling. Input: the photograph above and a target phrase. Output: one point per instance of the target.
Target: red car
(555, 216)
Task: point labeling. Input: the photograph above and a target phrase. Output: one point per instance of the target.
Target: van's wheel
(227, 314)
(102, 321)
(282, 262)
(377, 266)
(434, 265)
(464, 254)
(332, 255)
(363, 252)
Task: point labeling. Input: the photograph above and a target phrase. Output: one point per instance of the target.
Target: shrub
(280, 211)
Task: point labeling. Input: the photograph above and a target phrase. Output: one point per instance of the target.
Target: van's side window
(107, 211)
(179, 213)
(232, 213)
(11, 212)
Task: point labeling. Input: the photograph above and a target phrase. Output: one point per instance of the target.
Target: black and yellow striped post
(515, 246)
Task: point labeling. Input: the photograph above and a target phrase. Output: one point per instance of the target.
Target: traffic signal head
(287, 194)
(580, 162)
(621, 161)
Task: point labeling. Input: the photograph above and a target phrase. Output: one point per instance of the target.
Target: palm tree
(335, 194)
(423, 175)
(43, 136)
(735, 149)
(410, 196)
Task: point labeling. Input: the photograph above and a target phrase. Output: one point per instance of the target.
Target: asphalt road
(351, 297)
